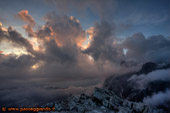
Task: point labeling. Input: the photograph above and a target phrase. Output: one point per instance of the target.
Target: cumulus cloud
(64, 30)
(24, 16)
(16, 38)
(101, 46)
(62, 38)
(142, 49)
(160, 98)
(63, 60)
(104, 45)
(29, 30)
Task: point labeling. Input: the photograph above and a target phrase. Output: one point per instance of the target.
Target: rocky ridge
(101, 101)
(130, 90)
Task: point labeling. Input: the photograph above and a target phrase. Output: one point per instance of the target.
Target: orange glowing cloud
(80, 42)
(37, 44)
(64, 31)
(53, 36)
(58, 43)
(37, 65)
(3, 28)
(1, 52)
(47, 38)
(23, 15)
(29, 30)
(86, 43)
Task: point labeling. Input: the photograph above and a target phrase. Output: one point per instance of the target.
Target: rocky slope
(101, 101)
(130, 89)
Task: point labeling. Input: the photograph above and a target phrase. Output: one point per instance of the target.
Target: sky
(58, 47)
(147, 16)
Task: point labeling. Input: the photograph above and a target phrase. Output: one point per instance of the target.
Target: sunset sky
(72, 46)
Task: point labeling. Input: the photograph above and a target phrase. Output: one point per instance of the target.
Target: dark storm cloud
(101, 46)
(61, 59)
(62, 36)
(61, 54)
(66, 30)
(44, 32)
(16, 38)
(139, 48)
(16, 68)
(154, 48)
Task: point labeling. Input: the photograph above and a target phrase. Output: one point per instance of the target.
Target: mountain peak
(148, 67)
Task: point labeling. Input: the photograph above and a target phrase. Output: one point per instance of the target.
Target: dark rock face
(148, 67)
(101, 101)
(127, 89)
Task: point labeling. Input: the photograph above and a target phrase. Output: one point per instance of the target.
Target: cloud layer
(142, 80)
(160, 98)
